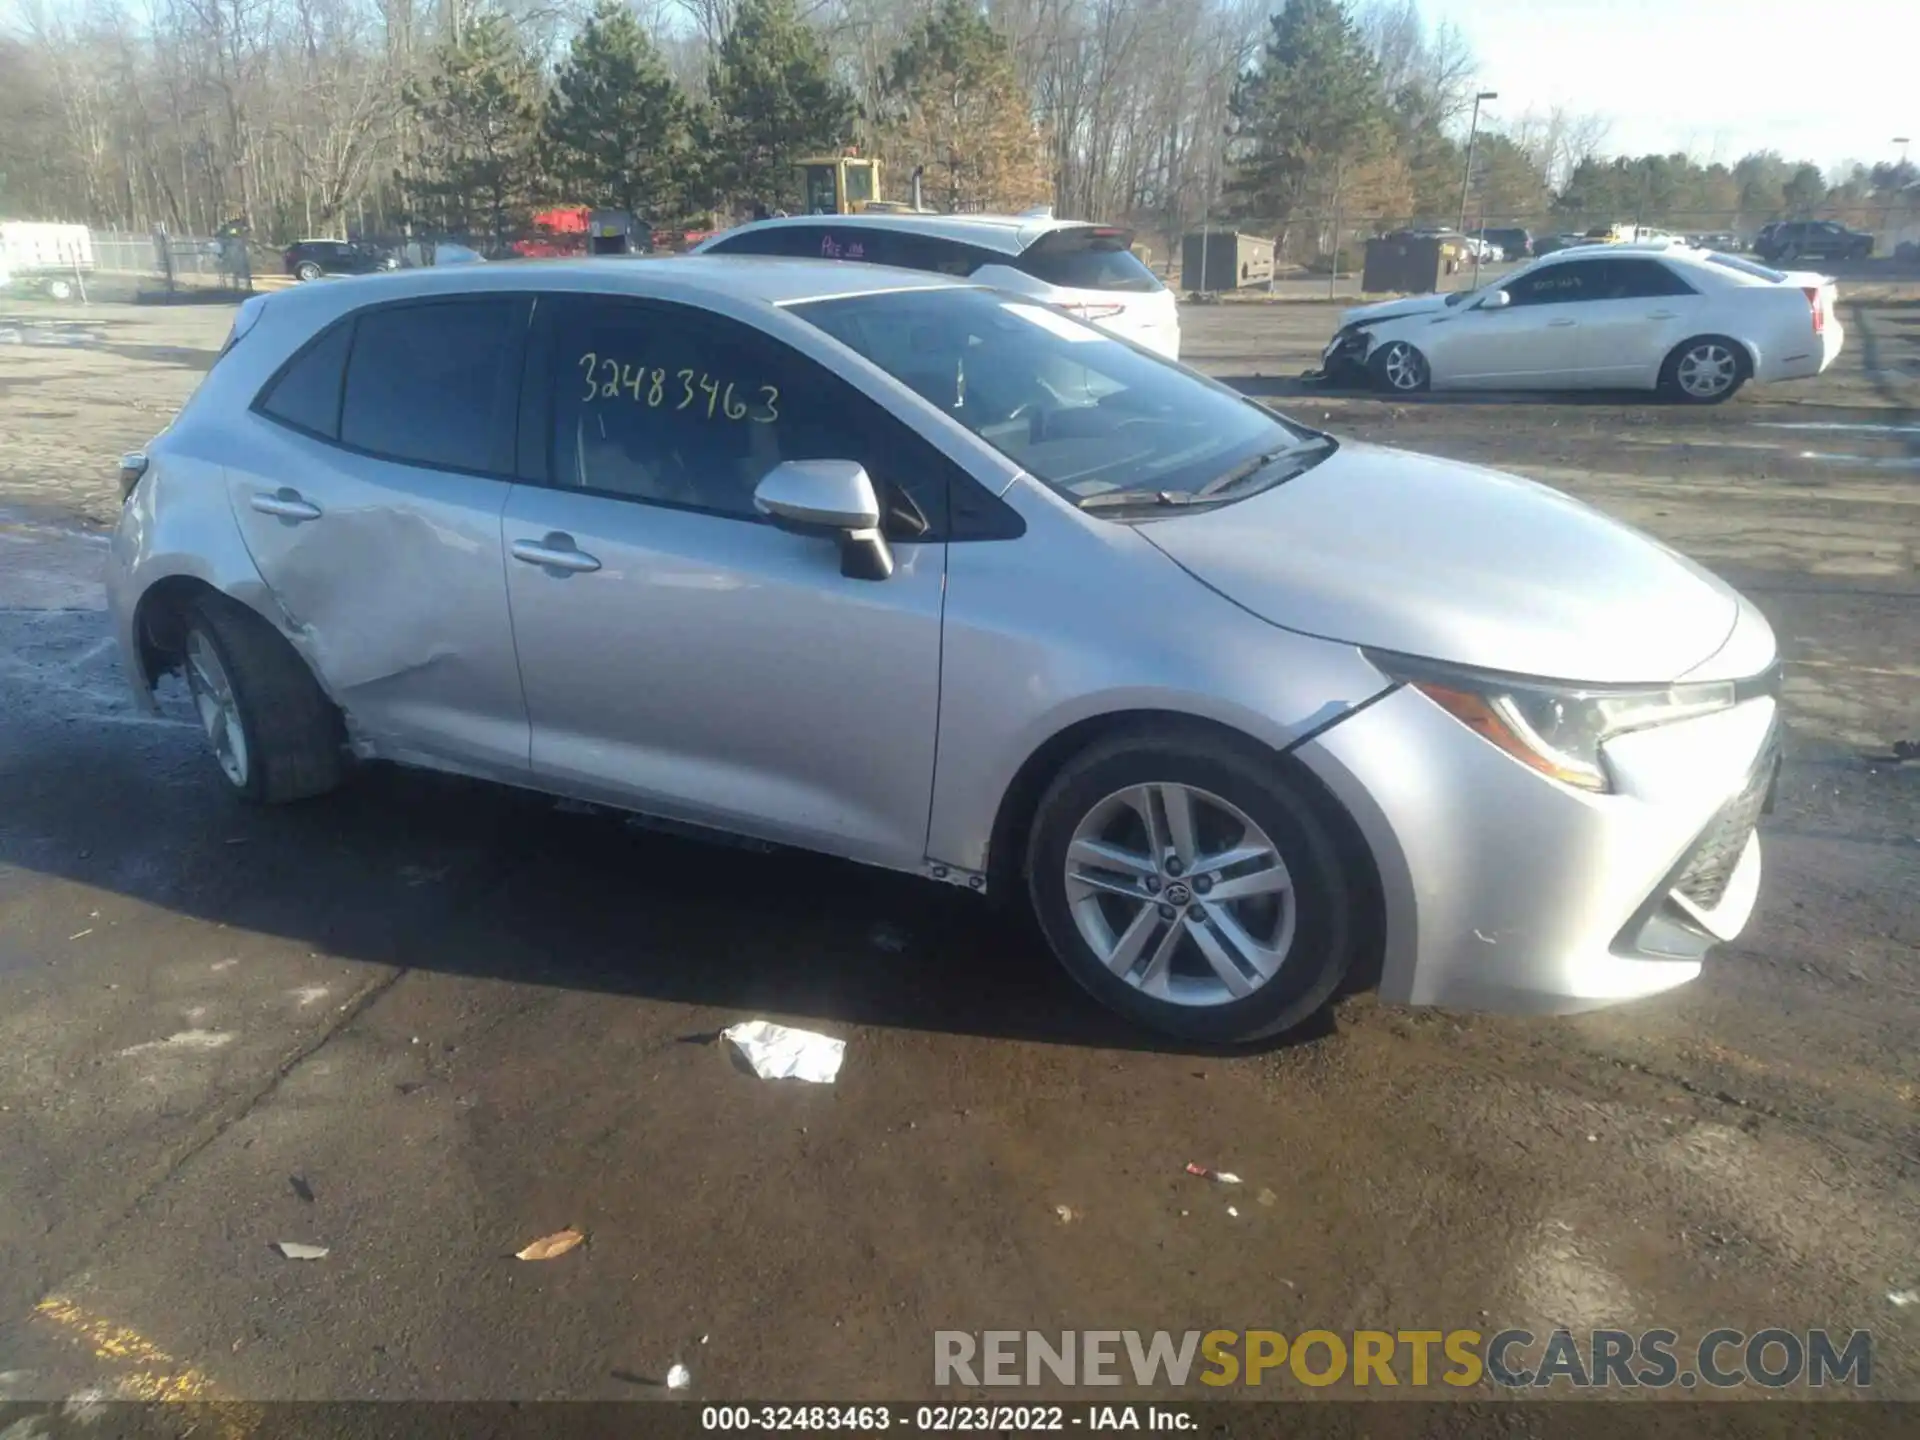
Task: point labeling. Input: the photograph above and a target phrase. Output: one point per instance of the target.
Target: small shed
(1224, 260)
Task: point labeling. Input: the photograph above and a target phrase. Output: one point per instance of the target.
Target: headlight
(1556, 729)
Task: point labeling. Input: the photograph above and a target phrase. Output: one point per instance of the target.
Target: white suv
(1088, 269)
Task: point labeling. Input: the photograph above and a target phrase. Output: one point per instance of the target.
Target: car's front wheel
(1399, 369)
(273, 732)
(1186, 884)
(1704, 370)
(306, 270)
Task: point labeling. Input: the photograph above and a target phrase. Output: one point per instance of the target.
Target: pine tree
(478, 109)
(774, 99)
(956, 106)
(618, 129)
(1308, 116)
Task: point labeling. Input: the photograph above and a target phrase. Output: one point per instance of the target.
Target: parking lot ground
(460, 1019)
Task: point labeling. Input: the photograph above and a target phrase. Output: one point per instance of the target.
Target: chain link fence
(175, 264)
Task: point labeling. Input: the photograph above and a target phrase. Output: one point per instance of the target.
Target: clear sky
(1821, 80)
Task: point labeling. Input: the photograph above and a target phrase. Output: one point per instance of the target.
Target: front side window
(1562, 284)
(680, 407)
(1083, 412)
(427, 383)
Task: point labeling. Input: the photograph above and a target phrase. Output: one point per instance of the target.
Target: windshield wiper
(1211, 491)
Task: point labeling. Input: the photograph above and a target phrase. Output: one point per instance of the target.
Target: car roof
(1009, 234)
(771, 280)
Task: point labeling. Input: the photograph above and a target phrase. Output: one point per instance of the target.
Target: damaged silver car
(938, 578)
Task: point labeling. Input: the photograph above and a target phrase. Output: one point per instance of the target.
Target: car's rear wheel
(1400, 369)
(1704, 370)
(60, 289)
(306, 270)
(273, 733)
(1188, 886)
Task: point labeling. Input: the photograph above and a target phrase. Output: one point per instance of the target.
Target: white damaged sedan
(1693, 324)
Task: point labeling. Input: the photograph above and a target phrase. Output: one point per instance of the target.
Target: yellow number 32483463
(714, 398)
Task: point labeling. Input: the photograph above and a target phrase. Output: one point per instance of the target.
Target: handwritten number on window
(606, 379)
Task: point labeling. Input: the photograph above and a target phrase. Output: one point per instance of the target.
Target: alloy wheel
(219, 710)
(1180, 894)
(1707, 370)
(1403, 367)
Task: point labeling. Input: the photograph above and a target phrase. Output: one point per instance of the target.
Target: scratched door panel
(378, 530)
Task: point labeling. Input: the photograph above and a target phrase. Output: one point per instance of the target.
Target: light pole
(1893, 190)
(1473, 130)
(1901, 141)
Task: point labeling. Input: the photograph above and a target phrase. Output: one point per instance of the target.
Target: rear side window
(1087, 260)
(426, 384)
(306, 394)
(1642, 279)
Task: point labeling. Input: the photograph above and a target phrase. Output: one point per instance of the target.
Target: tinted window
(1076, 408)
(680, 407)
(1559, 284)
(1637, 279)
(1087, 260)
(772, 240)
(427, 383)
(306, 394)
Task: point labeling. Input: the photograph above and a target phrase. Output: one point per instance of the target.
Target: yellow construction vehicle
(846, 185)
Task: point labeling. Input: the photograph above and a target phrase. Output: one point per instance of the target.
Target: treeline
(1308, 119)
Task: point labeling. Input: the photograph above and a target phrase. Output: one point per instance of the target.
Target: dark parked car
(1547, 244)
(310, 259)
(1811, 240)
(1514, 243)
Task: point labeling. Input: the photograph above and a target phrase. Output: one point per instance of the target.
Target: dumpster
(1404, 263)
(1224, 260)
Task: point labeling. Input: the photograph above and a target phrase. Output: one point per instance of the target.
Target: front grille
(1718, 851)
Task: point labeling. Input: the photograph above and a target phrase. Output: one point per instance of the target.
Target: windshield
(1746, 267)
(1074, 407)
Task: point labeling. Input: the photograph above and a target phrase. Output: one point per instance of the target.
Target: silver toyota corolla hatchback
(934, 577)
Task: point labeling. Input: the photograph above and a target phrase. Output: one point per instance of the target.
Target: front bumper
(1507, 891)
(1344, 360)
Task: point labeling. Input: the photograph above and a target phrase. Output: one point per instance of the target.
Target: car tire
(275, 735)
(1176, 966)
(306, 270)
(1706, 370)
(1399, 369)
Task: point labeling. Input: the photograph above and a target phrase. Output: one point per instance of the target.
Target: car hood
(1455, 562)
(1393, 309)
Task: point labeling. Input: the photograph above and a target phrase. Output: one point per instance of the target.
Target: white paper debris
(779, 1052)
(1904, 1298)
(679, 1377)
(294, 1250)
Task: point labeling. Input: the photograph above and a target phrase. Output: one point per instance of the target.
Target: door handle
(556, 552)
(1557, 324)
(286, 504)
(1661, 315)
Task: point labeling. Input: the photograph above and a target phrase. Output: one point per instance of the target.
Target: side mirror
(1498, 300)
(829, 498)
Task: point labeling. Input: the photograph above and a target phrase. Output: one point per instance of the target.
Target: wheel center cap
(1178, 893)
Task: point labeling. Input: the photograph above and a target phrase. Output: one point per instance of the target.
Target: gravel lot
(462, 1020)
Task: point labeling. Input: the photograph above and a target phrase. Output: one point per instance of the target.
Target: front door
(374, 518)
(1532, 341)
(681, 655)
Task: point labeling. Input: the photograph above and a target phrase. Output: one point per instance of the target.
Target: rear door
(1641, 311)
(368, 487)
